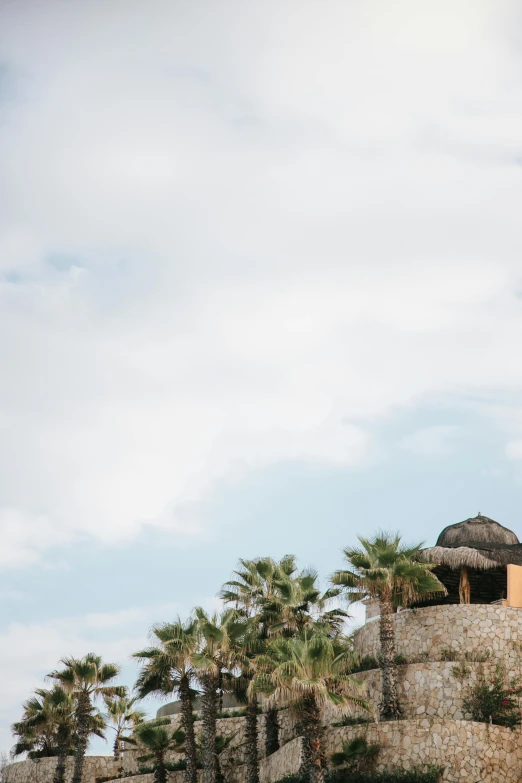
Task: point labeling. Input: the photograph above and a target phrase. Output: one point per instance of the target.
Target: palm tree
(246, 649)
(48, 727)
(279, 600)
(123, 715)
(167, 667)
(391, 572)
(36, 730)
(253, 591)
(305, 672)
(158, 739)
(86, 679)
(61, 707)
(214, 659)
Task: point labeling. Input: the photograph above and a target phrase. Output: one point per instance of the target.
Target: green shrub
(366, 663)
(429, 774)
(356, 756)
(400, 659)
(415, 775)
(350, 720)
(236, 713)
(470, 656)
(170, 766)
(449, 654)
(494, 699)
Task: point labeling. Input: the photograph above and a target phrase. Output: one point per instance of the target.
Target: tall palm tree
(86, 679)
(48, 727)
(36, 730)
(305, 672)
(157, 738)
(391, 572)
(215, 657)
(123, 716)
(280, 600)
(167, 667)
(61, 706)
(246, 649)
(254, 591)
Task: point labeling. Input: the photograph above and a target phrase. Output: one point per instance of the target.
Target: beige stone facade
(470, 752)
(42, 771)
(466, 627)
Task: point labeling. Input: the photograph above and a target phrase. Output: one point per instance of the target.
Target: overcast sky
(260, 291)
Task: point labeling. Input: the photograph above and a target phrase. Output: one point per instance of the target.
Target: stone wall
(285, 761)
(427, 688)
(426, 632)
(233, 728)
(42, 771)
(470, 752)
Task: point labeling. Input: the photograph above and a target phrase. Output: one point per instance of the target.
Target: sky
(260, 292)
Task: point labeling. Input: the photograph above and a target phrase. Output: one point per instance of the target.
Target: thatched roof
(476, 532)
(479, 543)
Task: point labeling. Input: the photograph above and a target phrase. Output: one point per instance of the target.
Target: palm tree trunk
(160, 772)
(312, 730)
(271, 731)
(59, 772)
(390, 707)
(252, 760)
(116, 747)
(187, 722)
(209, 713)
(83, 710)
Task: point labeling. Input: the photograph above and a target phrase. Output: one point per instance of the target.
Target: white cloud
(514, 449)
(223, 250)
(435, 441)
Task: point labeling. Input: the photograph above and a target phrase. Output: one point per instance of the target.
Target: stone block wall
(285, 761)
(427, 688)
(470, 752)
(463, 627)
(42, 771)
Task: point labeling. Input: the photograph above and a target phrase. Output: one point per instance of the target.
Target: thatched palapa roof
(478, 542)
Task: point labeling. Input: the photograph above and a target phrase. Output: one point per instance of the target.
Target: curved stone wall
(428, 688)
(470, 752)
(427, 631)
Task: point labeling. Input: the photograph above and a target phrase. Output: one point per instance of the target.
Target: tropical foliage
(305, 672)
(168, 667)
(86, 679)
(494, 698)
(122, 716)
(386, 570)
(155, 739)
(356, 756)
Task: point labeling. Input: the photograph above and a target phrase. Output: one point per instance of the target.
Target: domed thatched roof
(478, 542)
(477, 532)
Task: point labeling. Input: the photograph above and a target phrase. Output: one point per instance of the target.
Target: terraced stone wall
(470, 752)
(429, 689)
(426, 632)
(285, 761)
(42, 771)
